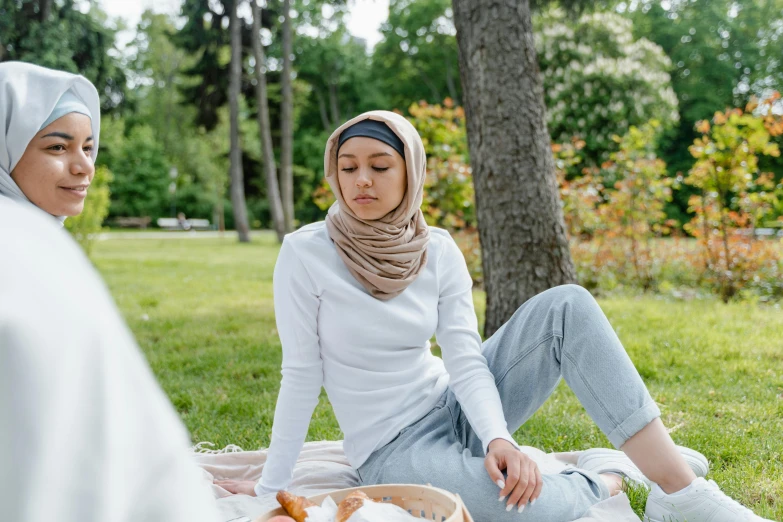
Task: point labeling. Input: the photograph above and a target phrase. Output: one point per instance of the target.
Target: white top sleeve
(296, 313)
(457, 335)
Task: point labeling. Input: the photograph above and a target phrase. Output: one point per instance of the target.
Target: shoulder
(312, 238)
(442, 242)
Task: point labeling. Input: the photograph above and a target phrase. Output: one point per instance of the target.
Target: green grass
(202, 312)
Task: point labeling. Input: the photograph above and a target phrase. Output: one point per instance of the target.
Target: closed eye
(377, 169)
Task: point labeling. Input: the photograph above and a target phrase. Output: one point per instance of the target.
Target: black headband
(372, 129)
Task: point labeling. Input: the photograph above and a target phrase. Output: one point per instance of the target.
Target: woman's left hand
(523, 479)
(237, 487)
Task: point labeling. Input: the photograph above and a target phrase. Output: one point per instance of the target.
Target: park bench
(133, 222)
(174, 224)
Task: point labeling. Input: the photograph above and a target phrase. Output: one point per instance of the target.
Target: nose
(363, 179)
(82, 165)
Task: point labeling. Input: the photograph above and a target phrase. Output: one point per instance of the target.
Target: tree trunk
(237, 177)
(322, 110)
(287, 145)
(450, 82)
(265, 129)
(45, 8)
(521, 227)
(333, 102)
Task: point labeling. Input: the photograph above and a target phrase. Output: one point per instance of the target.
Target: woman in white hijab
(49, 138)
(86, 434)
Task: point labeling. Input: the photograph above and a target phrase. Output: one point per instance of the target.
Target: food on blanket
(294, 506)
(281, 519)
(349, 505)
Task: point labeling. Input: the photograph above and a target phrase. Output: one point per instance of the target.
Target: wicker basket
(424, 502)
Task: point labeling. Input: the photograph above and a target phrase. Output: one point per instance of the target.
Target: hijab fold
(29, 96)
(385, 255)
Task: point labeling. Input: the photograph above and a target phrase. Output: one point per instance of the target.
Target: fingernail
(534, 501)
(521, 508)
(500, 483)
(508, 508)
(501, 499)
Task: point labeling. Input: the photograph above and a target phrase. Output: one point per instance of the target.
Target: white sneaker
(702, 501)
(602, 460)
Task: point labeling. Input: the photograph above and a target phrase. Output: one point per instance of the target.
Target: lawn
(203, 314)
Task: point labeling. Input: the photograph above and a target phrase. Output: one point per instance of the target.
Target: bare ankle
(613, 481)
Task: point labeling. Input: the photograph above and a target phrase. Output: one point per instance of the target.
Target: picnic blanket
(322, 467)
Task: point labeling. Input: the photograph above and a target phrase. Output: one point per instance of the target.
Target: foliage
(67, 39)
(419, 44)
(198, 155)
(580, 196)
(141, 173)
(87, 225)
(449, 201)
(722, 52)
(632, 213)
(734, 193)
(599, 81)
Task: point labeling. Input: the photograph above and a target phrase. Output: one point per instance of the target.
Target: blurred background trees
(607, 68)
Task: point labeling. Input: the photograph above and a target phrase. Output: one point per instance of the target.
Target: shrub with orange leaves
(735, 195)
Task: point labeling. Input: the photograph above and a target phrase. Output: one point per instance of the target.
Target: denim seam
(586, 383)
(524, 354)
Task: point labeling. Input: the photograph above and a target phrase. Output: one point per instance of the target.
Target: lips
(79, 191)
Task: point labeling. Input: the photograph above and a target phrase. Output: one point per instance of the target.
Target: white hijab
(28, 96)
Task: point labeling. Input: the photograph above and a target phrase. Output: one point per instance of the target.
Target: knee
(573, 294)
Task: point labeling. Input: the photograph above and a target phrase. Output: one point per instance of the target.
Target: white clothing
(87, 435)
(373, 357)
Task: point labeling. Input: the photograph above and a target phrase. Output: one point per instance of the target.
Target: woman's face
(372, 176)
(56, 167)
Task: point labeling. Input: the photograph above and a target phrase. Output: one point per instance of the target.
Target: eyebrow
(371, 155)
(62, 135)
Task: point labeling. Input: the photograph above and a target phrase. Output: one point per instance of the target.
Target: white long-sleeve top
(373, 357)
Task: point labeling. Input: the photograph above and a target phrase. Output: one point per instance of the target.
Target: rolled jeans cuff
(634, 424)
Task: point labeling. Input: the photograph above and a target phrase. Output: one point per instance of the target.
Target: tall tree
(235, 79)
(287, 125)
(265, 128)
(59, 35)
(521, 227)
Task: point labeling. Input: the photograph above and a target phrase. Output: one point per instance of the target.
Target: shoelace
(715, 492)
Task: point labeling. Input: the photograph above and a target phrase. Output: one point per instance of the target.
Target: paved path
(178, 234)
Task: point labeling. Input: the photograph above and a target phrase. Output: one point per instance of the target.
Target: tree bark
(237, 177)
(45, 7)
(322, 110)
(265, 128)
(287, 125)
(521, 227)
(450, 82)
(333, 101)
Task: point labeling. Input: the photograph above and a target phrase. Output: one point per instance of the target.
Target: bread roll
(294, 506)
(350, 504)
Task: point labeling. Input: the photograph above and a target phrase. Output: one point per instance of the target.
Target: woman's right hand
(523, 479)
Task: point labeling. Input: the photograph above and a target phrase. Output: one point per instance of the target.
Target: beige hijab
(384, 255)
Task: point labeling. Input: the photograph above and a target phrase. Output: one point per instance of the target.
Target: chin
(68, 211)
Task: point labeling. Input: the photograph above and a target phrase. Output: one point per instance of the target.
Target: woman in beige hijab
(357, 298)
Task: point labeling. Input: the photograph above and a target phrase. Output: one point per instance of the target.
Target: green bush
(86, 225)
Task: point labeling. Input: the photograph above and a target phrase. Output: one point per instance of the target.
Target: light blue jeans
(560, 332)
